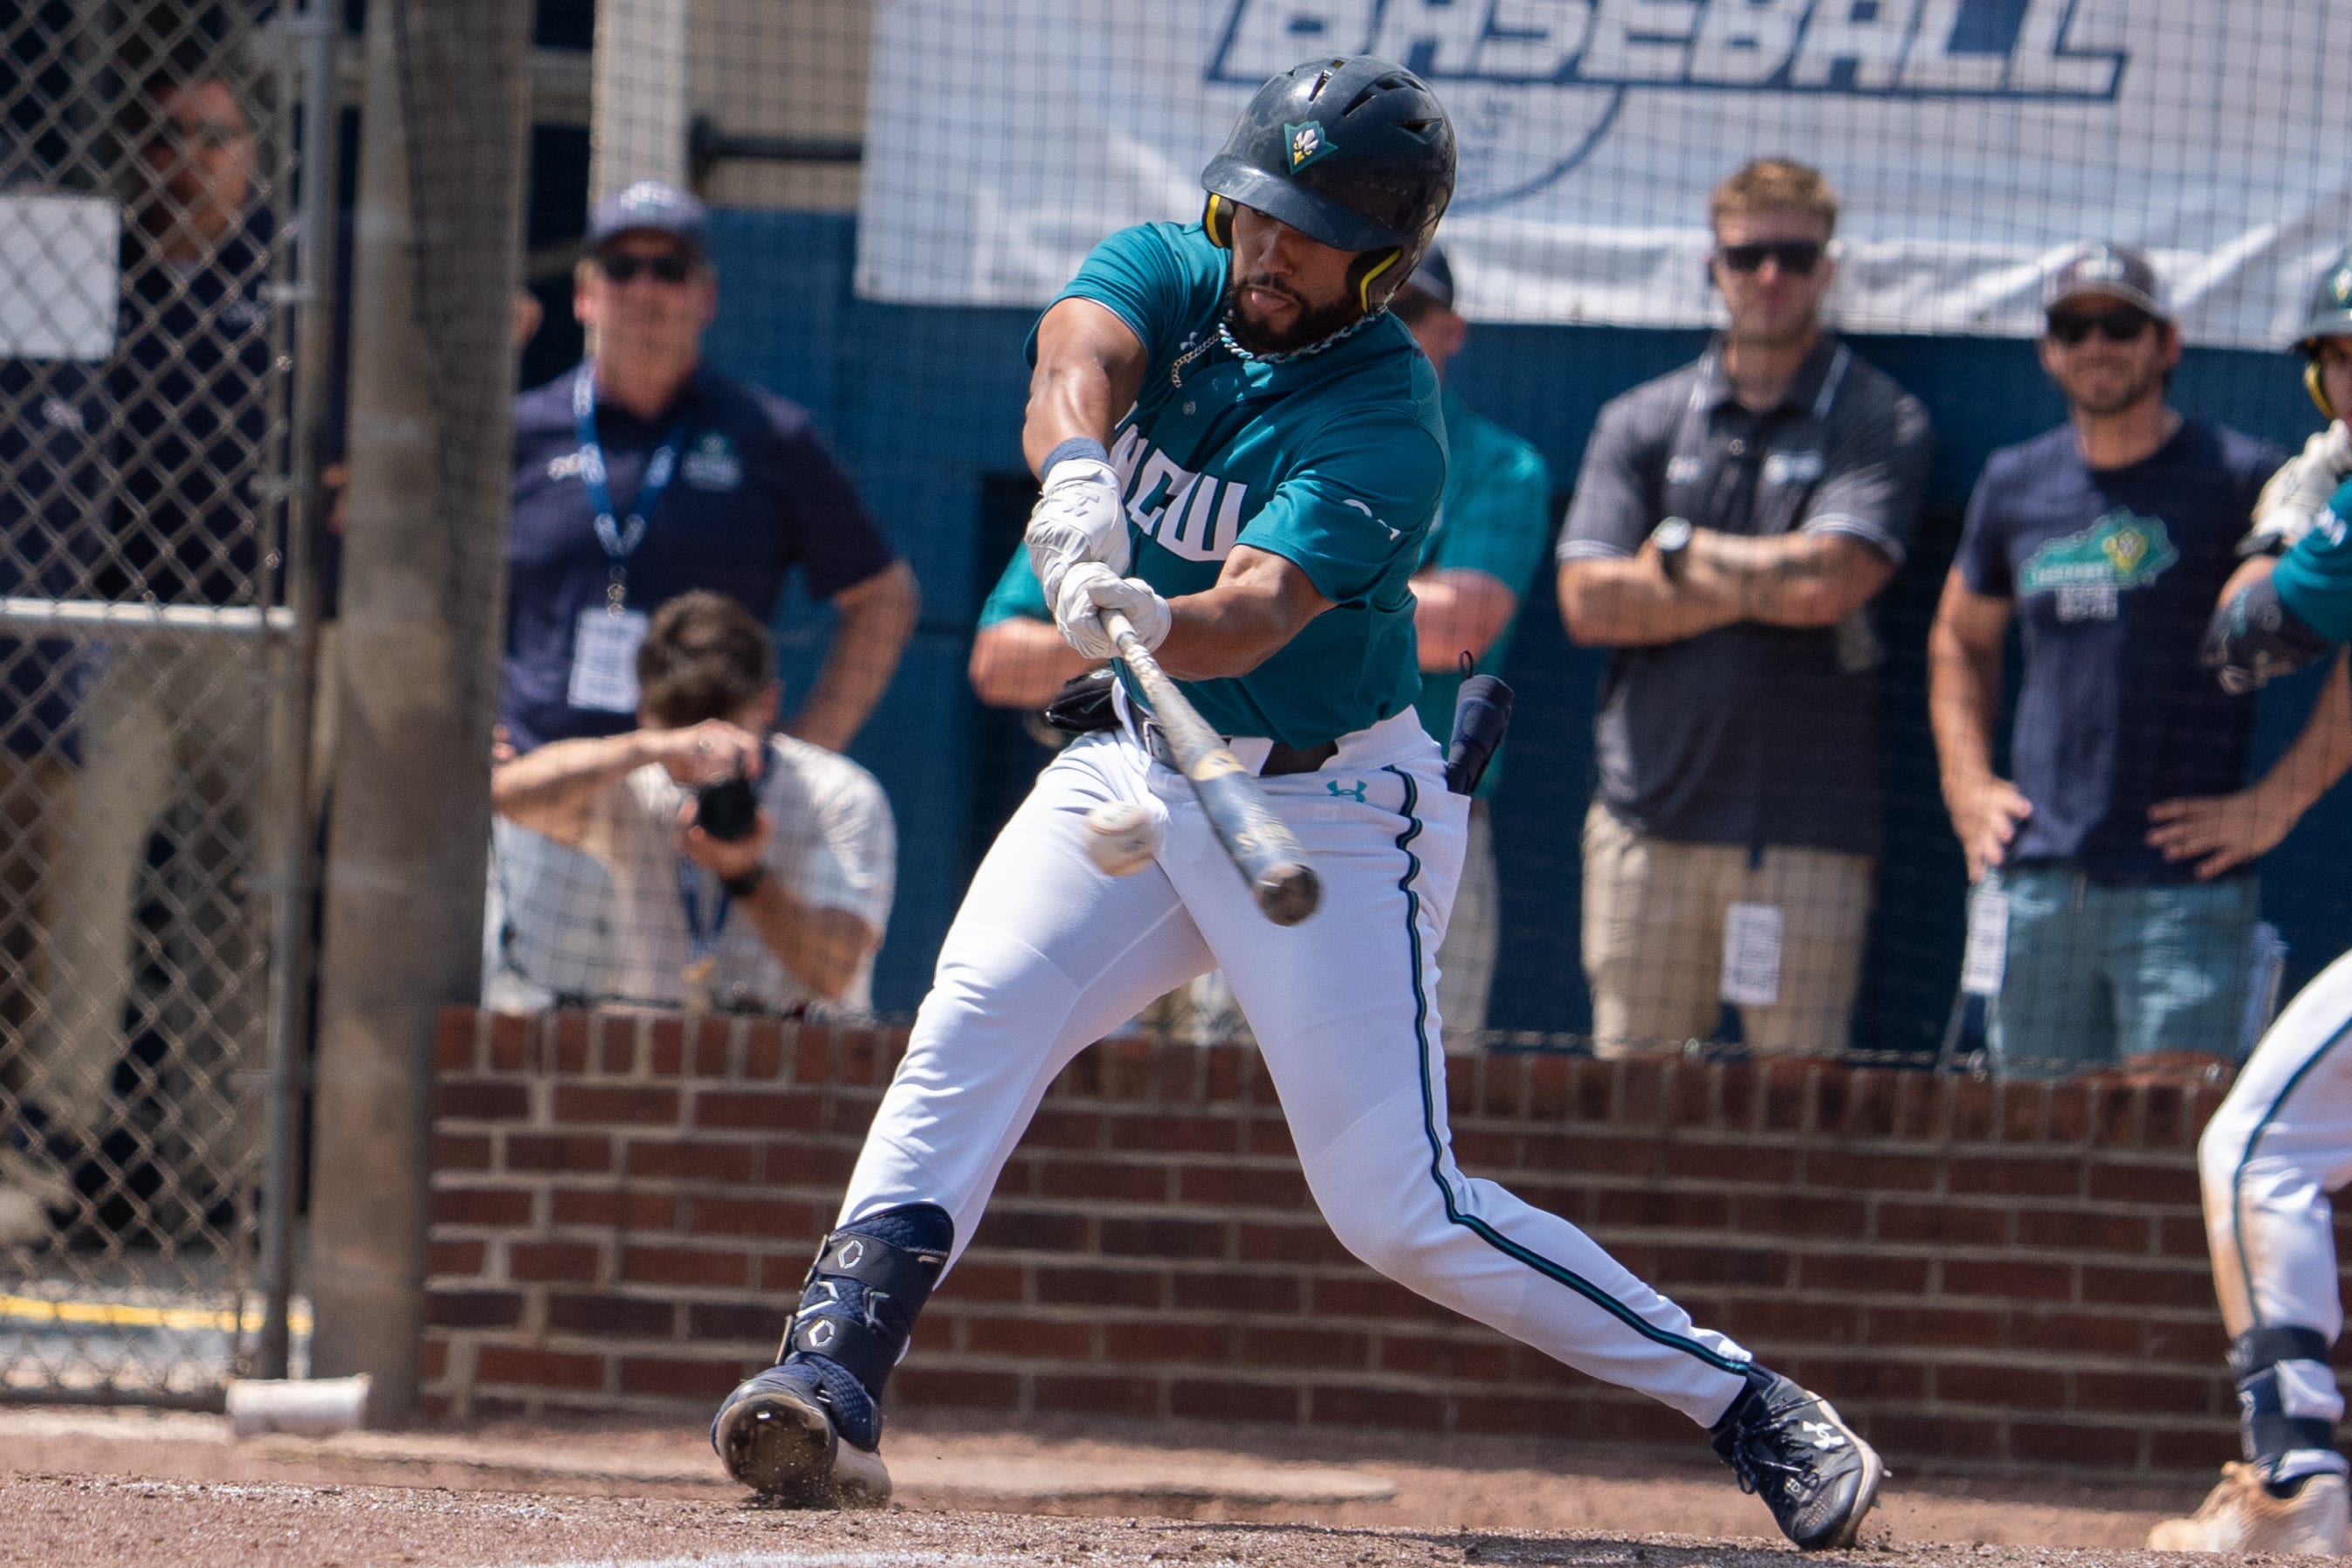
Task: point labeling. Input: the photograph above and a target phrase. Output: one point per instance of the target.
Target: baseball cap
(652, 206)
(2114, 269)
(1433, 278)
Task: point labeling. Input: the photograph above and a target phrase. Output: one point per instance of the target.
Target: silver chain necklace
(1225, 337)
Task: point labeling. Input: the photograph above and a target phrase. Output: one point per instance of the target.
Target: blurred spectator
(1494, 520)
(1730, 524)
(641, 475)
(189, 390)
(782, 911)
(2108, 539)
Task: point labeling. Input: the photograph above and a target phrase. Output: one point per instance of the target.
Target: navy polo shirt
(756, 494)
(2115, 573)
(190, 383)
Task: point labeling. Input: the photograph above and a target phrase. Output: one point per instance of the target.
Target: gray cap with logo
(2115, 270)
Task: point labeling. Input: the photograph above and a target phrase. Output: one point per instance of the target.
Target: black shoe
(1814, 1471)
(776, 1435)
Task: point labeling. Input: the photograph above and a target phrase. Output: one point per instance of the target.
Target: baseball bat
(1260, 844)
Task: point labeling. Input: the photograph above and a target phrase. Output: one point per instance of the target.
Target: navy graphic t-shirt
(2115, 571)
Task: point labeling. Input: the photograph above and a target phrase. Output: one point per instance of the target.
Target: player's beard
(1313, 325)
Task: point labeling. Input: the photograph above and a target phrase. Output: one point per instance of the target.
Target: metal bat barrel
(1258, 842)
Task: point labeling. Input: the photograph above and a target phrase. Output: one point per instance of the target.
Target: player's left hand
(2253, 638)
(1090, 588)
(2220, 832)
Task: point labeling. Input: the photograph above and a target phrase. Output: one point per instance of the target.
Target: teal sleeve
(1018, 595)
(1346, 514)
(2315, 578)
(1497, 519)
(1148, 277)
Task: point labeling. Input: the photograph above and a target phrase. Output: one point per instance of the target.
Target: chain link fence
(147, 218)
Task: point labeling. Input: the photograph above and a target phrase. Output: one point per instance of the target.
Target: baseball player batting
(2282, 1140)
(1240, 452)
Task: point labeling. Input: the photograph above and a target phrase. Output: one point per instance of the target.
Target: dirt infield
(86, 1489)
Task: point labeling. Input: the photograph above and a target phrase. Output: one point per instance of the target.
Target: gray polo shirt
(1750, 734)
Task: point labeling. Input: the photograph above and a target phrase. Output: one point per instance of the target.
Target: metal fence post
(436, 261)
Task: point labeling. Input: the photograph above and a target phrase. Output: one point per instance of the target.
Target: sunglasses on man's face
(1797, 257)
(622, 267)
(2123, 324)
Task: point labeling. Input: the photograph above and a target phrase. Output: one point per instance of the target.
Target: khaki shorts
(1653, 934)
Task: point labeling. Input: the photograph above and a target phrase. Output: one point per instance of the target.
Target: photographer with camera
(750, 870)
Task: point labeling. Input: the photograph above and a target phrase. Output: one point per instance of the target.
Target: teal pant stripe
(1558, 1273)
(2245, 1157)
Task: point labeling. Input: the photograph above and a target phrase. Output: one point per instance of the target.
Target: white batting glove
(1089, 588)
(1077, 518)
(2300, 491)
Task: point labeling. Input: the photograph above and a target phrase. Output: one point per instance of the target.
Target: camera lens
(726, 810)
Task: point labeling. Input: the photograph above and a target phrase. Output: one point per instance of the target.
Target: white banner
(1974, 144)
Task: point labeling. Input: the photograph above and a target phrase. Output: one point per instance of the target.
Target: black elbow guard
(2253, 638)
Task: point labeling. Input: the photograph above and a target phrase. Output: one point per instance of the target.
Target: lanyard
(620, 540)
(701, 944)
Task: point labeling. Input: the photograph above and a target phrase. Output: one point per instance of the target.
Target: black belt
(1280, 760)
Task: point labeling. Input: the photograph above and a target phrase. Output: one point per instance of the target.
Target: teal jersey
(1495, 516)
(1331, 460)
(1017, 596)
(2315, 578)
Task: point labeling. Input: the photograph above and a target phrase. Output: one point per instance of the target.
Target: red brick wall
(1980, 1274)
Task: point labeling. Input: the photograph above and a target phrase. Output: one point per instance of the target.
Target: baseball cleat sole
(783, 1446)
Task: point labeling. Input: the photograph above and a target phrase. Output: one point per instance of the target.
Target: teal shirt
(1495, 516)
(2315, 578)
(1333, 462)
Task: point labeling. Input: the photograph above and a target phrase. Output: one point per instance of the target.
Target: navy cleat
(807, 1432)
(775, 1434)
(1790, 1447)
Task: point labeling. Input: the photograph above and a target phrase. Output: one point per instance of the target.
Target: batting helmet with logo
(2329, 315)
(1355, 152)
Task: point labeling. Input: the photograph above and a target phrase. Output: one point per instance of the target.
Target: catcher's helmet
(2329, 315)
(1355, 152)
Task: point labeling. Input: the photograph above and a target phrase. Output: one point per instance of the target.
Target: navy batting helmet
(1355, 152)
(2329, 315)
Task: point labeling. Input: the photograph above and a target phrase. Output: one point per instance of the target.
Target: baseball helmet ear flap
(1217, 220)
(2317, 387)
(1374, 276)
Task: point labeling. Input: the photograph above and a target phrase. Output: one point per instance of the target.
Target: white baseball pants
(2279, 1143)
(1047, 954)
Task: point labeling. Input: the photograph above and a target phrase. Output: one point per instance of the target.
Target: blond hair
(1774, 185)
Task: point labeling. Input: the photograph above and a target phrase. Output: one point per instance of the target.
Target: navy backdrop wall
(924, 406)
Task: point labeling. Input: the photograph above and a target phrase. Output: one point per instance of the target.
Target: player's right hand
(1077, 518)
(2300, 491)
(1088, 590)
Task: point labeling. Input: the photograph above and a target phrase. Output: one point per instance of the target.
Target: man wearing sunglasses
(642, 474)
(2108, 540)
(1731, 521)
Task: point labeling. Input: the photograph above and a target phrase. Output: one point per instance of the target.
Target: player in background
(2282, 1141)
(1229, 406)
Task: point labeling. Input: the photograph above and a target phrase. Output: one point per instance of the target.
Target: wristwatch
(1672, 537)
(744, 886)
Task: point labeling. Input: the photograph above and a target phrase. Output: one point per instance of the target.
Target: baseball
(1121, 837)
